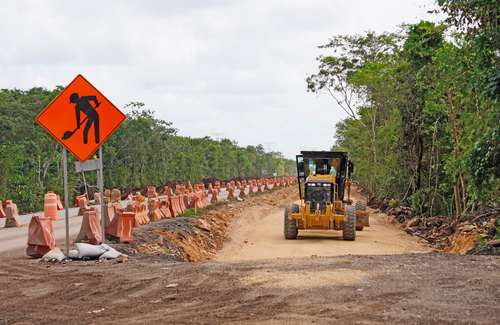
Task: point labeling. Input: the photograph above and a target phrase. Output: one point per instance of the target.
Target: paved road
(16, 238)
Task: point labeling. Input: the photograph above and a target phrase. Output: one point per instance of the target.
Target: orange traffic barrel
(50, 206)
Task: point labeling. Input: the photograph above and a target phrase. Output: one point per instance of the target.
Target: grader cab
(324, 180)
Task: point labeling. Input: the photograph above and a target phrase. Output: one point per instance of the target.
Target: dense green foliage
(144, 151)
(422, 108)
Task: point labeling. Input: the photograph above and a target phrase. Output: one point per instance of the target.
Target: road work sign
(81, 118)
(87, 166)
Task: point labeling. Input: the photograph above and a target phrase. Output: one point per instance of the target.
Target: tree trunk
(458, 185)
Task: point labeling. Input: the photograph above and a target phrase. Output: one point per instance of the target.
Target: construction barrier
(97, 198)
(82, 205)
(189, 200)
(154, 209)
(175, 207)
(50, 206)
(170, 205)
(151, 192)
(121, 226)
(11, 215)
(139, 209)
(182, 197)
(2, 210)
(90, 231)
(109, 212)
(200, 200)
(167, 190)
(116, 195)
(230, 193)
(215, 196)
(40, 237)
(107, 196)
(59, 203)
(165, 206)
(179, 188)
(242, 193)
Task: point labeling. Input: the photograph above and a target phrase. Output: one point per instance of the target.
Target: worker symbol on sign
(82, 104)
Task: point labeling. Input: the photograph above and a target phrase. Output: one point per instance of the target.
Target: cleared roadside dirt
(258, 234)
(422, 288)
(410, 289)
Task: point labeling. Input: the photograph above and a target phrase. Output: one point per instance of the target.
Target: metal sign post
(66, 199)
(93, 112)
(101, 193)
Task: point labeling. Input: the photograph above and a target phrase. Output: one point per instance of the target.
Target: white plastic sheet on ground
(110, 253)
(54, 255)
(89, 250)
(84, 250)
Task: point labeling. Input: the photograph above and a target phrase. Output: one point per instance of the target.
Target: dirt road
(247, 284)
(410, 289)
(258, 234)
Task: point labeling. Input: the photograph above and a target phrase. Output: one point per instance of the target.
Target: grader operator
(323, 179)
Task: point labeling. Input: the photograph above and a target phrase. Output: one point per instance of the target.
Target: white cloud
(230, 67)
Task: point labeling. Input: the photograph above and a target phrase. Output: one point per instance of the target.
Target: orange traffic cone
(50, 206)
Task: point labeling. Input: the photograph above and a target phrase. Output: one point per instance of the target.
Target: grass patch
(190, 213)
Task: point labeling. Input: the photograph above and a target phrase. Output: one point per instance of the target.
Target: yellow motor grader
(323, 179)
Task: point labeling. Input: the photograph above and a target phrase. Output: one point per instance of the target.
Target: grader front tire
(349, 224)
(290, 225)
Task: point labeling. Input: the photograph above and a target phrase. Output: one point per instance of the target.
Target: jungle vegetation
(422, 109)
(144, 151)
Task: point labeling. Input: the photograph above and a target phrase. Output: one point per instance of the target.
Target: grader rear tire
(349, 224)
(365, 219)
(359, 222)
(360, 205)
(290, 226)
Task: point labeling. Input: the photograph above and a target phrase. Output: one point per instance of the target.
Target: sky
(224, 69)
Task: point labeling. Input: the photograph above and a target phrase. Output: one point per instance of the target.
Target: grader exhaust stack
(324, 177)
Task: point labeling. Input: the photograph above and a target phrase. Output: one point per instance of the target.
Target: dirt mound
(198, 238)
(477, 233)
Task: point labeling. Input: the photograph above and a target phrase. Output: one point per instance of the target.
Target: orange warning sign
(81, 118)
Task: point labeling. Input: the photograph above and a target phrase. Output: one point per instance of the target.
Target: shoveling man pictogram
(82, 104)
